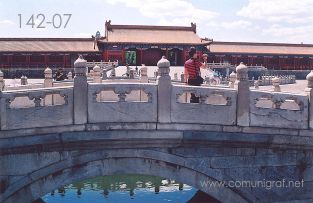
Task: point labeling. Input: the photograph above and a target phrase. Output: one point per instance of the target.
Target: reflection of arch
(99, 163)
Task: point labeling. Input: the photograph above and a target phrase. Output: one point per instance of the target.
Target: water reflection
(126, 188)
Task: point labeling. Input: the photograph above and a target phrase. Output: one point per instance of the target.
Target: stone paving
(297, 88)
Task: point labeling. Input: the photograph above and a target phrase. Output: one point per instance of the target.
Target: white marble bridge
(70, 131)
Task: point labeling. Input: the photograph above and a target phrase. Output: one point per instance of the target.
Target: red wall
(150, 57)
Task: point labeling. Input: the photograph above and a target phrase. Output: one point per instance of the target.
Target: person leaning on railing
(60, 75)
(192, 71)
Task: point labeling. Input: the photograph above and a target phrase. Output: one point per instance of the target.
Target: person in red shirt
(192, 71)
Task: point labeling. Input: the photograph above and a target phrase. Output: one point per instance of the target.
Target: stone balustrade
(36, 108)
(268, 79)
(82, 101)
(216, 106)
(278, 110)
(122, 102)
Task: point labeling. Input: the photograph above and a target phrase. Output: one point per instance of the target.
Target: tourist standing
(192, 72)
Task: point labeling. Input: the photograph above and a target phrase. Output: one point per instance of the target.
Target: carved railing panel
(36, 108)
(122, 102)
(132, 96)
(64, 83)
(107, 96)
(23, 87)
(282, 110)
(216, 105)
(20, 102)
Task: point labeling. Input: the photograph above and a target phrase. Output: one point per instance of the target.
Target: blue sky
(223, 20)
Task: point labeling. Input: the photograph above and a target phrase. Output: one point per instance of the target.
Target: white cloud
(174, 12)
(240, 24)
(290, 11)
(82, 34)
(292, 34)
(281, 20)
(6, 23)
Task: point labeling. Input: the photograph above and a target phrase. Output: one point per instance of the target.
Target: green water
(123, 188)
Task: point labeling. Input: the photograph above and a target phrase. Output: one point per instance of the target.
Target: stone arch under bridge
(36, 164)
(100, 163)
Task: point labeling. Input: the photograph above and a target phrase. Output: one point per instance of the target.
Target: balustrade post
(164, 91)
(48, 82)
(175, 76)
(243, 95)
(2, 82)
(113, 74)
(24, 80)
(232, 79)
(70, 76)
(104, 75)
(96, 74)
(276, 84)
(182, 77)
(144, 74)
(309, 91)
(256, 84)
(48, 77)
(80, 91)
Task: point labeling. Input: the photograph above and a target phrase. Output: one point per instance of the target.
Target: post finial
(242, 72)
(163, 67)
(309, 78)
(80, 66)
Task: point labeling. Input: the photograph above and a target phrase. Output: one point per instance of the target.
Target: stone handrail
(278, 109)
(219, 105)
(36, 108)
(122, 102)
(163, 102)
(101, 64)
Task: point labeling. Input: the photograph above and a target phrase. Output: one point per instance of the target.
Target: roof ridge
(262, 44)
(44, 39)
(109, 26)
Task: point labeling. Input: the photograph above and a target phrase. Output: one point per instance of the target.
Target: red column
(46, 60)
(10, 60)
(105, 55)
(64, 61)
(28, 60)
(123, 56)
(140, 56)
(184, 56)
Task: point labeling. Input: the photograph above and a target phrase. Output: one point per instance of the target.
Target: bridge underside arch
(78, 167)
